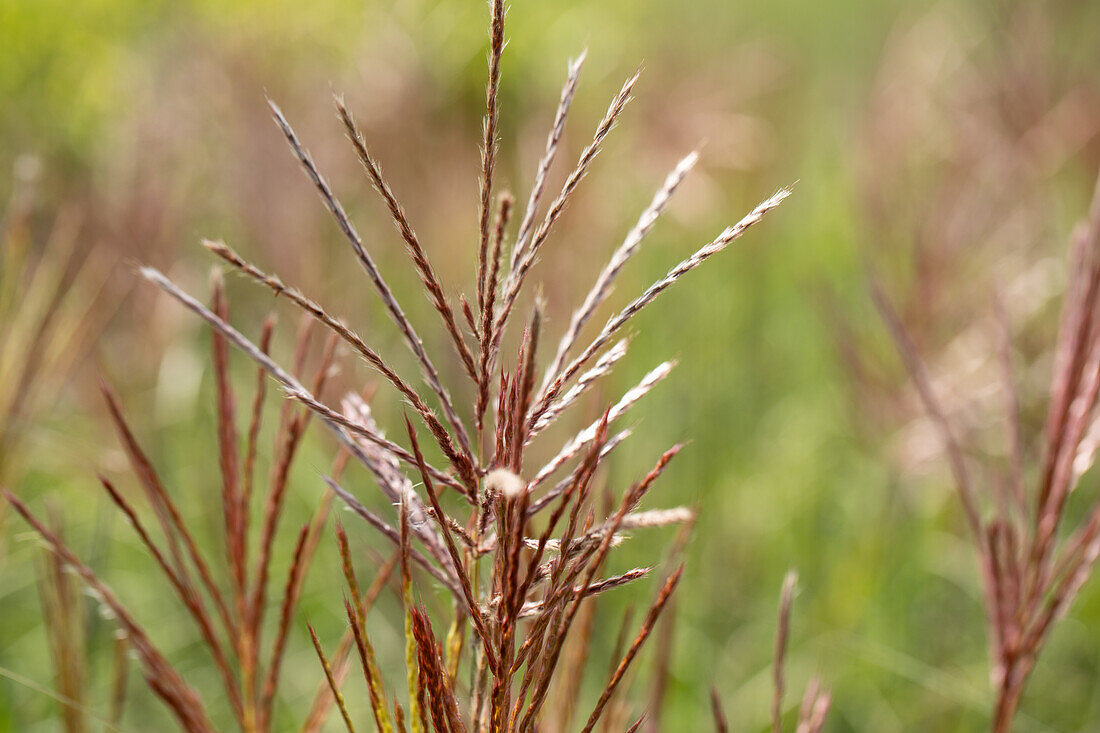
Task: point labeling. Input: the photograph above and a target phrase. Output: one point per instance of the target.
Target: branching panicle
(1029, 577)
(523, 561)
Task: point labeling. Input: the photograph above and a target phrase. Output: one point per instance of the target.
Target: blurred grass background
(951, 145)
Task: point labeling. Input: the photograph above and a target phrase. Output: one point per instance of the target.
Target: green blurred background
(948, 146)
